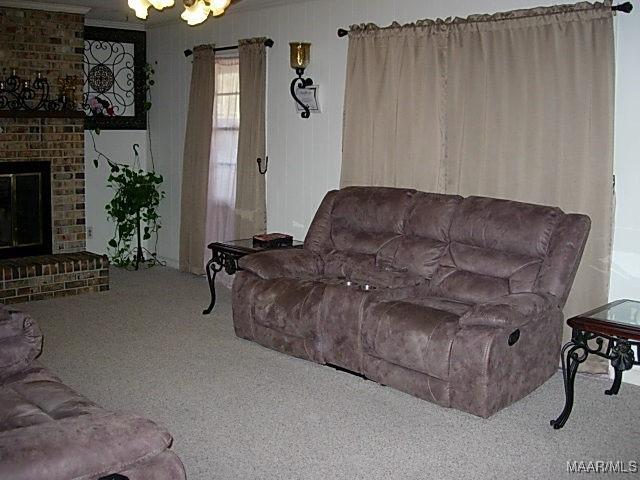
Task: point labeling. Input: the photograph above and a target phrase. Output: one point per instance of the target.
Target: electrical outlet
(89, 232)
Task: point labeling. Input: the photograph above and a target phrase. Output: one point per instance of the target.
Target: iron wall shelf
(41, 114)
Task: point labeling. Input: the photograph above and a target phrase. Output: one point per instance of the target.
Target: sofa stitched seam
(426, 348)
(304, 302)
(359, 349)
(550, 228)
(399, 235)
(485, 357)
(390, 306)
(522, 268)
(498, 250)
(429, 387)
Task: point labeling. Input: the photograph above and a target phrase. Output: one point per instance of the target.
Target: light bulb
(141, 7)
(162, 4)
(219, 4)
(196, 13)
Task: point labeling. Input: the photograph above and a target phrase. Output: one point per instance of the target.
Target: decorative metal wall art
(114, 92)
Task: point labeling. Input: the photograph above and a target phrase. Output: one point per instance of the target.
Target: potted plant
(133, 208)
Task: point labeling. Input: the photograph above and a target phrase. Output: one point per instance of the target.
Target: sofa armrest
(86, 446)
(510, 311)
(286, 262)
(20, 341)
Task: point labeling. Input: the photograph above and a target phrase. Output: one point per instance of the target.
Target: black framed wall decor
(114, 89)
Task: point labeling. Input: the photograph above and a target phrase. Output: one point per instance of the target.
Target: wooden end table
(225, 255)
(611, 332)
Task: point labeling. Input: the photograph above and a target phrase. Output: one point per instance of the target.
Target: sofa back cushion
(496, 247)
(365, 218)
(425, 235)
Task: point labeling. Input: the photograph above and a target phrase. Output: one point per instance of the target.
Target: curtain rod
(625, 7)
(188, 52)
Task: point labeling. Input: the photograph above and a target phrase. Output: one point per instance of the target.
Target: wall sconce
(300, 56)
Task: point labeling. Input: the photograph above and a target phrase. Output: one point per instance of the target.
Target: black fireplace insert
(25, 209)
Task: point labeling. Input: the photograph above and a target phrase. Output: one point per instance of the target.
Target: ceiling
(118, 11)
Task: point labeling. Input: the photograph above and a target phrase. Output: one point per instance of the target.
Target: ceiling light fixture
(141, 7)
(195, 11)
(162, 4)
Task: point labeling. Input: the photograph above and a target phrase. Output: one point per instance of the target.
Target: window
(224, 151)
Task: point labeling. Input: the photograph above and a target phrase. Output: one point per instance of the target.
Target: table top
(245, 246)
(620, 318)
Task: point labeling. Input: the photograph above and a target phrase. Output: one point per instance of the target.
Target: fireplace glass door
(25, 209)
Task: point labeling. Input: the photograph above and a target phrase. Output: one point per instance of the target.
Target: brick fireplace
(51, 43)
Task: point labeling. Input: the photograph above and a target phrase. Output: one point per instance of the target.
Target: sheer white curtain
(221, 195)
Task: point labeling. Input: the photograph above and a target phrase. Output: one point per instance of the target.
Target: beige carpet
(240, 411)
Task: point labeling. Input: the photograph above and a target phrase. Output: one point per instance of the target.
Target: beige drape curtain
(546, 122)
(195, 171)
(516, 105)
(250, 213)
(392, 120)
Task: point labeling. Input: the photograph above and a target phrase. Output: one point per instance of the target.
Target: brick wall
(52, 276)
(33, 41)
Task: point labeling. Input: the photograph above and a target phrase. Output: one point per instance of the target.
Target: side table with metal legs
(612, 332)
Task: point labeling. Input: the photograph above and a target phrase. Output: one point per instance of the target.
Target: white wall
(305, 154)
(625, 268)
(118, 146)
(625, 274)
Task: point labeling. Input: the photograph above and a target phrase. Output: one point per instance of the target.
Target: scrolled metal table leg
(211, 278)
(570, 365)
(617, 380)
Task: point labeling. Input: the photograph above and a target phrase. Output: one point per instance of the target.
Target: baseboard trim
(170, 262)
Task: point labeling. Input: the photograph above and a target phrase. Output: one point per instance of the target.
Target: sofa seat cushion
(417, 337)
(290, 306)
(36, 396)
